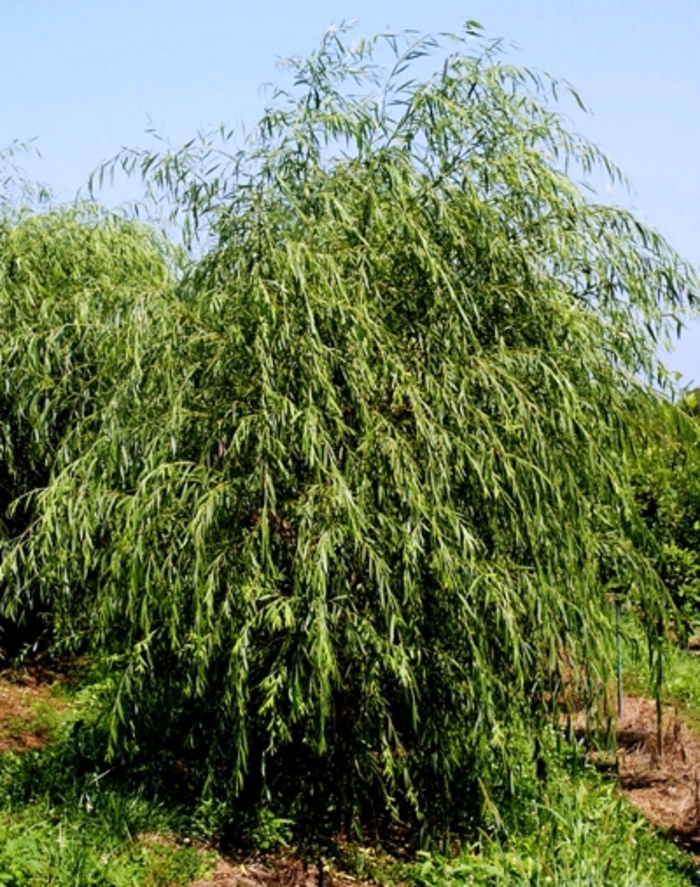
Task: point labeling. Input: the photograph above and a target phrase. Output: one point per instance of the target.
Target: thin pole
(620, 695)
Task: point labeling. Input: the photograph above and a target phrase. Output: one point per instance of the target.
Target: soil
(664, 784)
(280, 872)
(21, 698)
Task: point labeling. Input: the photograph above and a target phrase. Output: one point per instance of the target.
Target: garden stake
(620, 699)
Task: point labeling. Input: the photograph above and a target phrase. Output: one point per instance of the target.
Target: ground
(27, 710)
(283, 873)
(664, 784)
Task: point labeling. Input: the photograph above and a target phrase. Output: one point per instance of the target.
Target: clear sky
(87, 77)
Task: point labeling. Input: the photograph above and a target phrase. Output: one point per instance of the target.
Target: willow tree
(348, 528)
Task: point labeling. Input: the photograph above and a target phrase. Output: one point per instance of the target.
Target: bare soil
(662, 782)
(277, 872)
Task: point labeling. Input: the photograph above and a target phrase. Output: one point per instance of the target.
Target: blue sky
(89, 76)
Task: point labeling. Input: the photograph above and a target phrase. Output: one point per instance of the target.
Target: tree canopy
(342, 496)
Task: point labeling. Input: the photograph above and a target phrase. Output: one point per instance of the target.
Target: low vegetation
(69, 818)
(63, 821)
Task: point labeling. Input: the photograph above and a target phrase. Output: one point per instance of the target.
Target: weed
(270, 831)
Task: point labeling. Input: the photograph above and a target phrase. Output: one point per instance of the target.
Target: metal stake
(620, 695)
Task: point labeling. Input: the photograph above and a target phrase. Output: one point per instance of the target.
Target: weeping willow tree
(347, 504)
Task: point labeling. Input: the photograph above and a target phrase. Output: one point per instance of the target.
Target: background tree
(72, 281)
(667, 488)
(345, 505)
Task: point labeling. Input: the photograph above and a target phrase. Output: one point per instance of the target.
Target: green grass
(586, 836)
(581, 833)
(39, 847)
(82, 839)
(109, 840)
(681, 675)
(65, 822)
(682, 683)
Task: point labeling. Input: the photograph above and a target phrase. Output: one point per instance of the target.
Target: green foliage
(572, 830)
(342, 503)
(63, 824)
(271, 832)
(667, 482)
(71, 282)
(681, 675)
(16, 190)
(75, 286)
(585, 836)
(36, 850)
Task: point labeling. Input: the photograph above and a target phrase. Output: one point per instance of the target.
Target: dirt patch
(280, 872)
(662, 782)
(25, 707)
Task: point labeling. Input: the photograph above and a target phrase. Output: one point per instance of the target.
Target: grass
(581, 833)
(65, 823)
(40, 847)
(681, 675)
(584, 835)
(83, 840)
